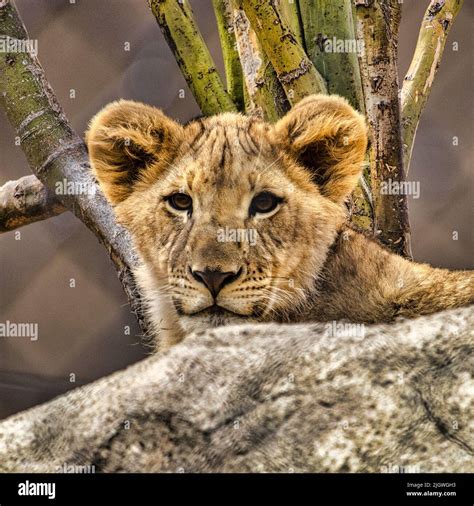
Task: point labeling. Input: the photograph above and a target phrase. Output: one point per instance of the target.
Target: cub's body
(239, 221)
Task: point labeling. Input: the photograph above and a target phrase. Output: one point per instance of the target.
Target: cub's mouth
(216, 316)
(216, 310)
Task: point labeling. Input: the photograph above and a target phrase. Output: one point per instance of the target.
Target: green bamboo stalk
(294, 69)
(176, 21)
(265, 95)
(233, 68)
(435, 27)
(328, 29)
(377, 23)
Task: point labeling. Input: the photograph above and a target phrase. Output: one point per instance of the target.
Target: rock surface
(270, 398)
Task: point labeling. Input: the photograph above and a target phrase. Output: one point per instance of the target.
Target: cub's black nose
(215, 280)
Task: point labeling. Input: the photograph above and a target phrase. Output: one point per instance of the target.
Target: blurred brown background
(82, 47)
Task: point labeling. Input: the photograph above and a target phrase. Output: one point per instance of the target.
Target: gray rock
(266, 398)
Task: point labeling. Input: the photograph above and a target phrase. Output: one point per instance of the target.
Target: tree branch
(377, 24)
(294, 69)
(266, 96)
(416, 89)
(291, 12)
(54, 151)
(176, 21)
(328, 24)
(233, 68)
(26, 201)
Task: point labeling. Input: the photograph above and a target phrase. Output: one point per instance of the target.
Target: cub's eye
(264, 203)
(180, 202)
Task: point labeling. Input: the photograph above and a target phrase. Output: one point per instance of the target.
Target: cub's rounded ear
(328, 137)
(128, 143)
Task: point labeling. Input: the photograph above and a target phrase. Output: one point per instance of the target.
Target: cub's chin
(211, 318)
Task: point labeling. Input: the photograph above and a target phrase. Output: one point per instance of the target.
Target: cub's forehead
(227, 148)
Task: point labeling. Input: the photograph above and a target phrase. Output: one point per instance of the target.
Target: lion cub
(237, 220)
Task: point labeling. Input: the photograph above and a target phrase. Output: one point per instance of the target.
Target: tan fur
(306, 264)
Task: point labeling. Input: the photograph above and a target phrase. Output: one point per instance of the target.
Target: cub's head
(231, 215)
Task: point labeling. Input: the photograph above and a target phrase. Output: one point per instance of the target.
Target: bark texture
(417, 84)
(233, 69)
(327, 25)
(192, 55)
(290, 10)
(26, 201)
(295, 71)
(377, 25)
(266, 97)
(55, 152)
